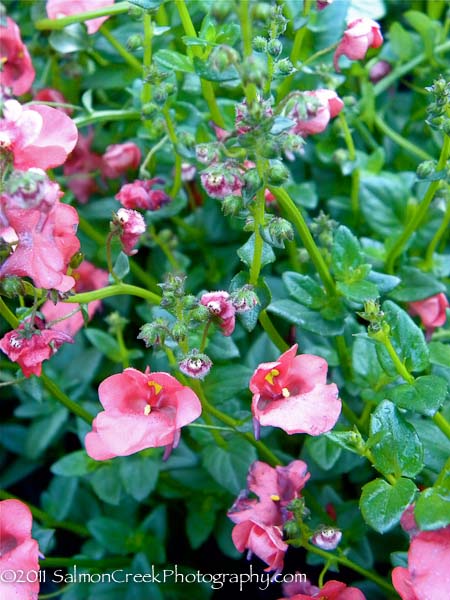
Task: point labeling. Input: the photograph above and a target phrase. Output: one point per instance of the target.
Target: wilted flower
(220, 182)
(17, 70)
(359, 36)
(379, 71)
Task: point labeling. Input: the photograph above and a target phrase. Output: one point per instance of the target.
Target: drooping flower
(312, 111)
(52, 95)
(332, 590)
(259, 522)
(432, 311)
(64, 8)
(17, 70)
(132, 226)
(19, 552)
(428, 575)
(87, 278)
(360, 35)
(30, 346)
(36, 135)
(46, 244)
(80, 169)
(142, 410)
(292, 393)
(119, 158)
(141, 195)
(220, 306)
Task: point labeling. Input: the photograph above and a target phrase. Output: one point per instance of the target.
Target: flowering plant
(224, 297)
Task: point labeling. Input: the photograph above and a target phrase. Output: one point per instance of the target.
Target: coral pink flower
(140, 194)
(46, 244)
(30, 347)
(314, 111)
(432, 311)
(292, 393)
(119, 158)
(51, 95)
(132, 226)
(428, 575)
(17, 70)
(359, 36)
(259, 523)
(87, 278)
(37, 135)
(220, 305)
(80, 169)
(332, 590)
(19, 552)
(142, 410)
(65, 8)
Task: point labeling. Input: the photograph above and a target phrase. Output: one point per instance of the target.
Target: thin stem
(107, 115)
(108, 11)
(443, 228)
(401, 369)
(109, 256)
(400, 140)
(148, 36)
(143, 168)
(173, 138)
(123, 52)
(442, 423)
(421, 211)
(59, 395)
(246, 27)
(255, 267)
(354, 195)
(320, 53)
(295, 216)
(205, 336)
(272, 332)
(119, 289)
(122, 348)
(8, 315)
(165, 249)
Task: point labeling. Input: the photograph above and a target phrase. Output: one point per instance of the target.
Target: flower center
(156, 389)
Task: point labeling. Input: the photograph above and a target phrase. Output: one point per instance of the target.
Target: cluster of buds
(377, 328)
(272, 46)
(323, 227)
(439, 110)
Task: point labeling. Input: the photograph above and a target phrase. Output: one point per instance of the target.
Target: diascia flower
(428, 575)
(313, 110)
(332, 590)
(140, 194)
(220, 306)
(132, 226)
(19, 552)
(29, 346)
(259, 522)
(64, 8)
(292, 393)
(142, 410)
(52, 95)
(17, 70)
(119, 158)
(36, 135)
(359, 36)
(432, 311)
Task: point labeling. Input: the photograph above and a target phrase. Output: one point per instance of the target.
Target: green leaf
(247, 251)
(428, 29)
(426, 395)
(200, 519)
(382, 504)
(122, 265)
(106, 483)
(399, 450)
(402, 42)
(229, 466)
(105, 343)
(228, 34)
(432, 510)
(249, 319)
(221, 348)
(358, 291)
(174, 61)
(304, 289)
(303, 194)
(70, 39)
(139, 475)
(415, 285)
(365, 362)
(44, 431)
(74, 464)
(296, 313)
(385, 283)
(439, 354)
(324, 451)
(206, 71)
(110, 533)
(347, 257)
(225, 382)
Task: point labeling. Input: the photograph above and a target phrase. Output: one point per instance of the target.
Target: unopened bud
(179, 332)
(196, 365)
(134, 42)
(76, 260)
(327, 538)
(426, 168)
(274, 48)
(244, 299)
(278, 173)
(152, 333)
(280, 229)
(149, 109)
(232, 205)
(259, 43)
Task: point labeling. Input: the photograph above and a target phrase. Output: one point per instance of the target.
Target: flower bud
(149, 109)
(252, 181)
(244, 299)
(291, 529)
(220, 9)
(253, 71)
(196, 365)
(274, 48)
(76, 260)
(426, 168)
(280, 229)
(284, 66)
(270, 148)
(160, 94)
(232, 205)
(207, 153)
(154, 332)
(262, 11)
(132, 226)
(179, 332)
(134, 42)
(259, 43)
(200, 314)
(327, 538)
(135, 12)
(278, 173)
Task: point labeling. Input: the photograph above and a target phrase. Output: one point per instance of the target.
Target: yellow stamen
(275, 498)
(155, 385)
(147, 410)
(269, 377)
(286, 393)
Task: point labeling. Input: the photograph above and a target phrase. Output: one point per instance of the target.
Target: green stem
(442, 423)
(205, 336)
(108, 11)
(354, 195)
(123, 52)
(59, 395)
(443, 228)
(255, 267)
(46, 519)
(9, 316)
(401, 369)
(143, 168)
(119, 289)
(295, 216)
(272, 332)
(107, 115)
(109, 239)
(400, 140)
(320, 53)
(246, 27)
(122, 348)
(173, 138)
(165, 249)
(148, 36)
(421, 211)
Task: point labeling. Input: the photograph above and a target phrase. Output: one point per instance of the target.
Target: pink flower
(428, 575)
(29, 347)
(221, 181)
(220, 306)
(17, 70)
(332, 590)
(140, 194)
(327, 538)
(142, 410)
(432, 311)
(80, 169)
(87, 278)
(132, 226)
(119, 158)
(46, 244)
(51, 95)
(30, 189)
(188, 172)
(292, 393)
(64, 8)
(19, 552)
(408, 522)
(259, 523)
(359, 36)
(196, 365)
(37, 135)
(313, 110)
(379, 71)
